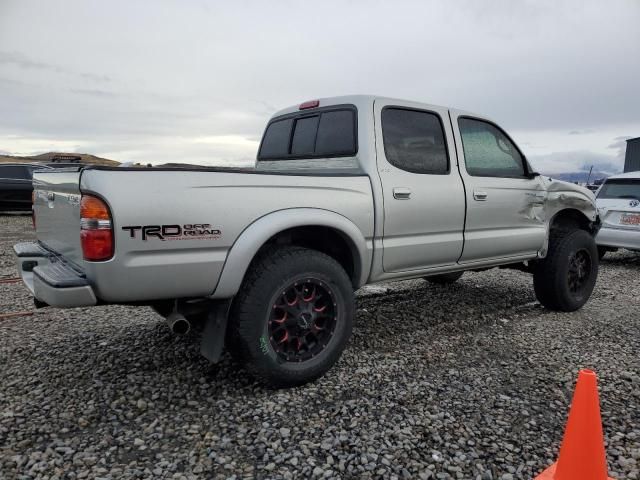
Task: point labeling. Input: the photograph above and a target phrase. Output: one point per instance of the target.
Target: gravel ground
(467, 381)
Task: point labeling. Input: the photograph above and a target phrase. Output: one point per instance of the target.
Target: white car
(618, 203)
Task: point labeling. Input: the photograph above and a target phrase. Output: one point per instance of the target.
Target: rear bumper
(50, 279)
(619, 238)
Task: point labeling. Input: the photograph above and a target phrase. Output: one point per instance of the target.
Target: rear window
(276, 139)
(627, 188)
(304, 136)
(14, 172)
(323, 133)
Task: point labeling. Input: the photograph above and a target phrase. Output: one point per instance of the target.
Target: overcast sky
(195, 82)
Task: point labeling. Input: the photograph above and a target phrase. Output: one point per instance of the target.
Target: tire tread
(547, 282)
(241, 330)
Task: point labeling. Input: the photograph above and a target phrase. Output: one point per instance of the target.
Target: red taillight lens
(96, 244)
(96, 229)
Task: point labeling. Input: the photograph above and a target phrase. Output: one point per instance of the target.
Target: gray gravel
(466, 381)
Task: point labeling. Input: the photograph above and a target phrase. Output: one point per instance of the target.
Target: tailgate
(57, 211)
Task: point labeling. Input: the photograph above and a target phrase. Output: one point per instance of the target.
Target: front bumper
(619, 238)
(50, 279)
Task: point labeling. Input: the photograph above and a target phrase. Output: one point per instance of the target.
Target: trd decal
(189, 231)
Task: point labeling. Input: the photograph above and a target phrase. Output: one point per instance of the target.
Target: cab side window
(414, 141)
(488, 152)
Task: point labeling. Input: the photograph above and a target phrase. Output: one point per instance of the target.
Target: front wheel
(292, 318)
(565, 279)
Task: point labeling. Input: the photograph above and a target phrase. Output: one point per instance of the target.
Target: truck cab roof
(366, 101)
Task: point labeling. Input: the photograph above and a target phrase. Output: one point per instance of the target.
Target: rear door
(423, 195)
(504, 202)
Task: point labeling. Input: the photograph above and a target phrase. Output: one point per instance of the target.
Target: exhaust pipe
(178, 323)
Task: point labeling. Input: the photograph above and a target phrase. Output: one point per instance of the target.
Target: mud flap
(212, 342)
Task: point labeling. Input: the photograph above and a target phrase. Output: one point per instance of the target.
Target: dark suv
(15, 185)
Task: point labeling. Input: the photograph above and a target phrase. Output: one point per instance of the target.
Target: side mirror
(532, 175)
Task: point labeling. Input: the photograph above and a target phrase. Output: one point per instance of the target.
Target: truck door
(504, 201)
(423, 194)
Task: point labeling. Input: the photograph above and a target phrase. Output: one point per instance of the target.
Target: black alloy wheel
(579, 271)
(302, 320)
(292, 317)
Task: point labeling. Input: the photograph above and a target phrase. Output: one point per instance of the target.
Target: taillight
(96, 229)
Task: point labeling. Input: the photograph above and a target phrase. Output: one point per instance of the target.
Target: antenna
(589, 177)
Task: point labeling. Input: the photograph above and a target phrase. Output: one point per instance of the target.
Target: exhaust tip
(178, 323)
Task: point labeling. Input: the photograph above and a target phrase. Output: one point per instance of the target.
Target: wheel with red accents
(292, 317)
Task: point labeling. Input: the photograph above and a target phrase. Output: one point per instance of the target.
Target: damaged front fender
(570, 201)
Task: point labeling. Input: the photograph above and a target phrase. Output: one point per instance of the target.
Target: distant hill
(85, 158)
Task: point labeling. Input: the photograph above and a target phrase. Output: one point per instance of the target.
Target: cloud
(183, 71)
(576, 161)
(582, 132)
(24, 62)
(93, 92)
(18, 145)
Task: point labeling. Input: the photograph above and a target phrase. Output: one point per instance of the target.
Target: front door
(504, 201)
(423, 195)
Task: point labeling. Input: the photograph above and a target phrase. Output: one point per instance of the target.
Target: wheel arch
(568, 218)
(323, 230)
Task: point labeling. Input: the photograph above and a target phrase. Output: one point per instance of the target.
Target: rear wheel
(444, 278)
(565, 279)
(293, 316)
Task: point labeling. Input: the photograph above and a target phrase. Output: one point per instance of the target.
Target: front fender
(565, 198)
(260, 231)
(564, 195)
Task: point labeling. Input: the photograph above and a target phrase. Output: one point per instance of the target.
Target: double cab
(346, 191)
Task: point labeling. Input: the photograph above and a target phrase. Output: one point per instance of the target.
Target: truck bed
(212, 207)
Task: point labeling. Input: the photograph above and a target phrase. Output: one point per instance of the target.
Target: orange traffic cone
(582, 455)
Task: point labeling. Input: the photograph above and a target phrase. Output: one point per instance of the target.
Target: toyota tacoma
(346, 191)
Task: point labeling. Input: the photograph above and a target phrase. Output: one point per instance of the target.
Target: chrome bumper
(50, 279)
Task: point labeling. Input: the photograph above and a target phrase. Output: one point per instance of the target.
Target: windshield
(627, 188)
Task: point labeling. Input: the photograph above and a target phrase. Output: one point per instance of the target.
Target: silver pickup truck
(346, 191)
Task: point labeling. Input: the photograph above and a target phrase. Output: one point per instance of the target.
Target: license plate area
(632, 219)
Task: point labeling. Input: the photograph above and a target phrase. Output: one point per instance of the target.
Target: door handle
(479, 196)
(401, 193)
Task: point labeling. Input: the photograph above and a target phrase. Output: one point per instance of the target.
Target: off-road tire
(444, 278)
(248, 337)
(551, 276)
